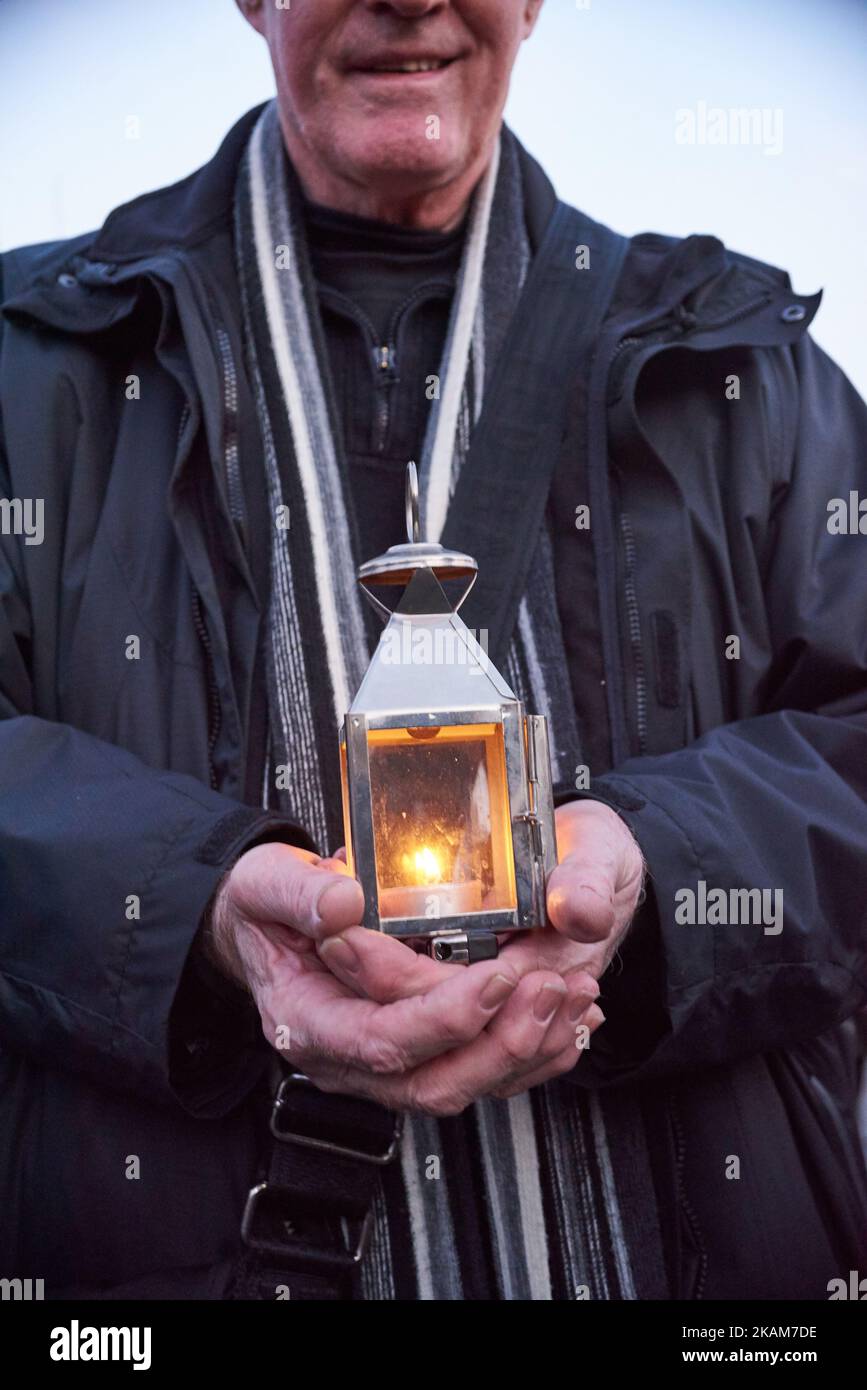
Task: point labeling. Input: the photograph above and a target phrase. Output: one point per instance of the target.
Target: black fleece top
(385, 294)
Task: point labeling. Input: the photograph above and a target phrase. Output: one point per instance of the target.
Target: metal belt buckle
(297, 1228)
(309, 1141)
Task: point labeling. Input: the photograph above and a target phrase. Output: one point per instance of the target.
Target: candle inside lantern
(426, 894)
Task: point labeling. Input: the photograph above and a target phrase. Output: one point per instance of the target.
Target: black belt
(305, 1229)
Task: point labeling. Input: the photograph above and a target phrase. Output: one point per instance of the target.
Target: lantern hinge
(532, 820)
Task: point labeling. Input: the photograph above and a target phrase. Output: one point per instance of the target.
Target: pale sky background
(595, 97)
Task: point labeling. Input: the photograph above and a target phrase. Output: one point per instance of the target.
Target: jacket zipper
(201, 627)
(656, 331)
(214, 716)
(633, 619)
(230, 445)
(737, 314)
(689, 322)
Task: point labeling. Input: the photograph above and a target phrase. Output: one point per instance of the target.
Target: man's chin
(400, 163)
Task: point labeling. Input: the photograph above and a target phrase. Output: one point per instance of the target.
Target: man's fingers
(526, 1038)
(446, 1085)
(594, 1018)
(337, 863)
(565, 1060)
(378, 966)
(547, 949)
(572, 1010)
(526, 1054)
(516, 1040)
(325, 1022)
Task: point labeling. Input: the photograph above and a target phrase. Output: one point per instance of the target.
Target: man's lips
(393, 65)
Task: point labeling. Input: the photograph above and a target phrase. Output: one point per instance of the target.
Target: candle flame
(427, 866)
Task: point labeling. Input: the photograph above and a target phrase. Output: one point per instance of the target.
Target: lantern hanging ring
(395, 569)
(413, 533)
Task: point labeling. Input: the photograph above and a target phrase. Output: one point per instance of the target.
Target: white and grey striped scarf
(533, 1197)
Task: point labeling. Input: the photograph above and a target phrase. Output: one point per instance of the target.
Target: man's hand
(592, 897)
(361, 1013)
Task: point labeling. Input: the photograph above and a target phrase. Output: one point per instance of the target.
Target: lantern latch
(462, 948)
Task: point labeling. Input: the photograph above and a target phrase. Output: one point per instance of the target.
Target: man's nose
(408, 9)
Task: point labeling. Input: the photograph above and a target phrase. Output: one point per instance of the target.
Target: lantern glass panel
(441, 820)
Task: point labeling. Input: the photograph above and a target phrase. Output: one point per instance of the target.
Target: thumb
(338, 905)
(277, 883)
(581, 899)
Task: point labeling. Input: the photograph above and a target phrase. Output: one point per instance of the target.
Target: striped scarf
(547, 1195)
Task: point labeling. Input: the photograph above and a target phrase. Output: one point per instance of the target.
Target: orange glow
(427, 866)
(423, 867)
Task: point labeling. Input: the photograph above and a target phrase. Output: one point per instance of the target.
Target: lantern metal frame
(388, 699)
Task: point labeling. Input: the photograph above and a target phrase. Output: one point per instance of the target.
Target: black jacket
(128, 786)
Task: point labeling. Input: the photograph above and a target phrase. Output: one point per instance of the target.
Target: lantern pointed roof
(427, 659)
(428, 663)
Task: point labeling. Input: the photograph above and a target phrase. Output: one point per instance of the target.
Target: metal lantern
(447, 799)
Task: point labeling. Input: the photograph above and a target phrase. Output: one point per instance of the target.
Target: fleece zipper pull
(385, 362)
